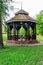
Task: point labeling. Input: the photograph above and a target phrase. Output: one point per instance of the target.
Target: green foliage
(22, 32)
(39, 38)
(4, 8)
(39, 19)
(4, 37)
(26, 55)
(31, 31)
(4, 29)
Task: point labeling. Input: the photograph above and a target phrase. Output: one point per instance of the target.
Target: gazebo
(21, 19)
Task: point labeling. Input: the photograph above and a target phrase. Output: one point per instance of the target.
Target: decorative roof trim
(20, 21)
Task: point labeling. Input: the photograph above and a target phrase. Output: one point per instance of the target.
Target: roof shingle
(22, 15)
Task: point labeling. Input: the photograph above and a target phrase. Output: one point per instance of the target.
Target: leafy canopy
(4, 8)
(39, 19)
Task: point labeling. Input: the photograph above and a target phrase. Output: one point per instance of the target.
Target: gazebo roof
(21, 16)
(22, 12)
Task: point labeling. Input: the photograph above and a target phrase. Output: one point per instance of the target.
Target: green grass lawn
(39, 38)
(27, 55)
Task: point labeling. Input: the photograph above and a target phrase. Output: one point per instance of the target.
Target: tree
(22, 32)
(3, 12)
(39, 19)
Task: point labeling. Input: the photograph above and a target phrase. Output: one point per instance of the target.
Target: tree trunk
(1, 39)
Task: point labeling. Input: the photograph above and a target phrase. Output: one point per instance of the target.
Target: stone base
(22, 41)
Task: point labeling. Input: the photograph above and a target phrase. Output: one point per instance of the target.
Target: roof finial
(21, 4)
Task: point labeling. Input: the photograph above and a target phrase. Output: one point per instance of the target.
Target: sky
(33, 7)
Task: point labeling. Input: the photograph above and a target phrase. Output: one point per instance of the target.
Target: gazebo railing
(16, 37)
(12, 37)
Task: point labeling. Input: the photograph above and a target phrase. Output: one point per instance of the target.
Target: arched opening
(21, 33)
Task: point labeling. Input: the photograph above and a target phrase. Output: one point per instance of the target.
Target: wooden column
(8, 33)
(28, 34)
(17, 34)
(14, 32)
(34, 32)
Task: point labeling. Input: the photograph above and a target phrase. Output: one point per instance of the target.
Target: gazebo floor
(22, 41)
